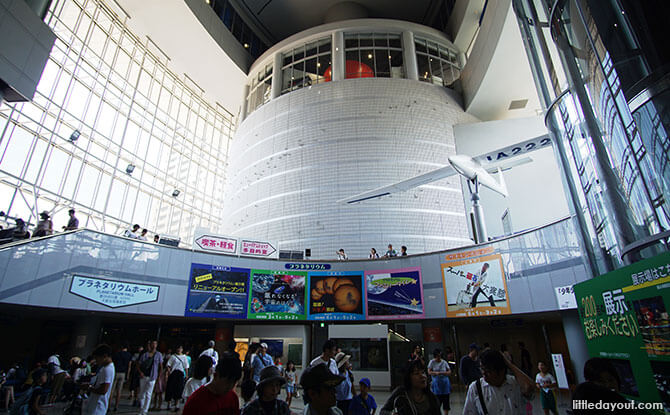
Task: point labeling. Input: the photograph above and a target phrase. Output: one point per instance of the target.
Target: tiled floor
(457, 401)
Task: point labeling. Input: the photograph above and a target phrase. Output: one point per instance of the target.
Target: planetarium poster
(277, 295)
(474, 284)
(394, 294)
(336, 296)
(216, 291)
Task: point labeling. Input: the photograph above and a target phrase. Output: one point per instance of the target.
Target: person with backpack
(29, 402)
(148, 369)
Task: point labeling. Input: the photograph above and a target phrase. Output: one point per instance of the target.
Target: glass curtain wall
(260, 89)
(436, 63)
(145, 134)
(371, 55)
(306, 65)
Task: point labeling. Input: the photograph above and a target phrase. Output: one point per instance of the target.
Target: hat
(319, 375)
(364, 381)
(270, 374)
(344, 359)
(473, 346)
(264, 345)
(44, 214)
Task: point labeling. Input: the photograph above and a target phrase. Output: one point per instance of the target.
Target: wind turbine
(476, 169)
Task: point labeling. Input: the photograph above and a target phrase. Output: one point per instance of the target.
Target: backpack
(146, 365)
(20, 406)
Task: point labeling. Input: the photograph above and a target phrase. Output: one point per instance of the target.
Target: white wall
(536, 194)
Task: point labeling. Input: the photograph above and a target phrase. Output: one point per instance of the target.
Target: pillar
(275, 90)
(409, 56)
(85, 336)
(222, 336)
(339, 67)
(245, 102)
(574, 336)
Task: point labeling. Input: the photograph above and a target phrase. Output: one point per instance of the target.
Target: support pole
(480, 225)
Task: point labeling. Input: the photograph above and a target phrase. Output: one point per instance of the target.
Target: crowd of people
(93, 386)
(136, 233)
(390, 253)
(44, 227)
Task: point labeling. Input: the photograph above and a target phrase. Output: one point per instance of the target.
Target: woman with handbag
(414, 396)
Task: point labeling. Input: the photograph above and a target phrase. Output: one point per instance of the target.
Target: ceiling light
(74, 136)
(246, 46)
(369, 55)
(318, 64)
(207, 1)
(175, 192)
(130, 168)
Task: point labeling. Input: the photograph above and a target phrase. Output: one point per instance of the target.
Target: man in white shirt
(101, 384)
(132, 234)
(500, 393)
(211, 352)
(329, 351)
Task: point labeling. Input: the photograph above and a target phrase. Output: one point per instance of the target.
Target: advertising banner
(215, 243)
(624, 314)
(336, 296)
(394, 294)
(277, 295)
(113, 294)
(475, 285)
(216, 291)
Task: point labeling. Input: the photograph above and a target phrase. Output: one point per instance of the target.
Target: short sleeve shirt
(440, 384)
(97, 404)
(178, 362)
(545, 381)
(505, 399)
(330, 364)
(205, 402)
(359, 406)
(56, 364)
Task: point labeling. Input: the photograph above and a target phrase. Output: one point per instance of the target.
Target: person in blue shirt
(257, 364)
(440, 385)
(364, 403)
(267, 359)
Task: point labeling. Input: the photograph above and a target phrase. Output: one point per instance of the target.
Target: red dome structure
(353, 69)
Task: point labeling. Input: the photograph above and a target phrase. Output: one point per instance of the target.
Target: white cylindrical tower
(331, 135)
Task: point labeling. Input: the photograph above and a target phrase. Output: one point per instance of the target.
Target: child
(546, 382)
(289, 374)
(364, 403)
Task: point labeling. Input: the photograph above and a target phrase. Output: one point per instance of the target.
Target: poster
(624, 315)
(336, 296)
(475, 285)
(394, 294)
(216, 291)
(277, 295)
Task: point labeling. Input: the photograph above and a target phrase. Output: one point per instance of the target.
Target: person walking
(217, 397)
(469, 366)
(177, 368)
(149, 368)
(267, 390)
(101, 387)
(290, 376)
(414, 396)
(326, 357)
(496, 392)
(202, 370)
(439, 369)
(363, 403)
(211, 352)
(546, 383)
(121, 360)
(44, 226)
(345, 391)
(319, 384)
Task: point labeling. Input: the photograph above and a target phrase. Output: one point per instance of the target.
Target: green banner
(625, 318)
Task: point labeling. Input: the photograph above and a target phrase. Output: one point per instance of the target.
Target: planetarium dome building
(339, 109)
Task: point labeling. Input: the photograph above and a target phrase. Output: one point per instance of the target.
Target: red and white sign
(214, 243)
(258, 249)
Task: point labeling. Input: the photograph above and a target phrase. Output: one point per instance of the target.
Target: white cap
(264, 345)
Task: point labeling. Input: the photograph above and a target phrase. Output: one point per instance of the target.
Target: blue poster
(216, 291)
(394, 293)
(336, 296)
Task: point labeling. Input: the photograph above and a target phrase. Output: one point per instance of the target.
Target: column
(85, 336)
(339, 66)
(276, 76)
(409, 56)
(222, 336)
(245, 103)
(574, 336)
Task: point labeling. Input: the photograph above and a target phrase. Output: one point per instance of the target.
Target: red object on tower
(353, 69)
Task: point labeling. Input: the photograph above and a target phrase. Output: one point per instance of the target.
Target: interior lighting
(130, 168)
(207, 1)
(318, 64)
(369, 55)
(175, 192)
(246, 46)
